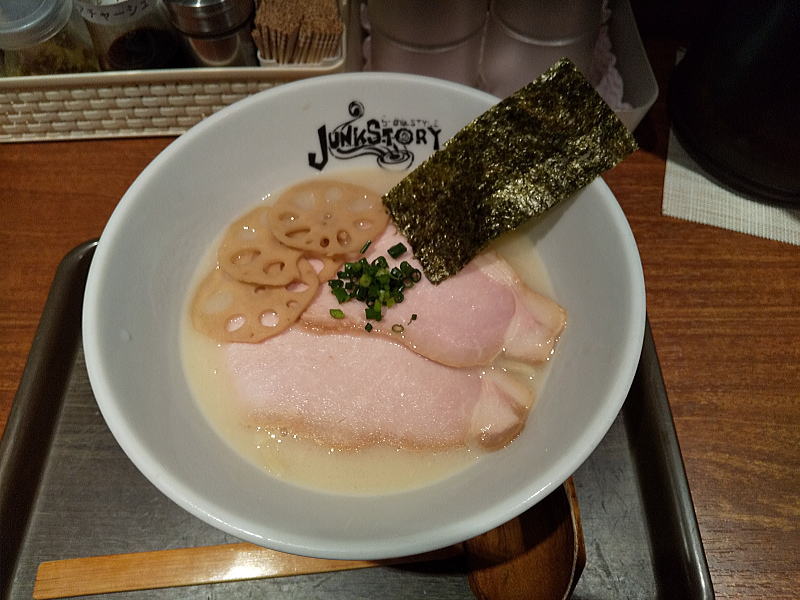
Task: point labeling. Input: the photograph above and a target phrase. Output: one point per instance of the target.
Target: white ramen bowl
(165, 222)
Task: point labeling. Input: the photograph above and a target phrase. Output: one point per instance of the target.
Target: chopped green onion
(337, 313)
(414, 316)
(374, 283)
(341, 294)
(368, 326)
(396, 250)
(365, 246)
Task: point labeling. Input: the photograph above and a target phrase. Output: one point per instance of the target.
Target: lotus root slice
(327, 217)
(250, 253)
(228, 310)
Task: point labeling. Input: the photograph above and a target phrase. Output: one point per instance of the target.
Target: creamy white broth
(372, 470)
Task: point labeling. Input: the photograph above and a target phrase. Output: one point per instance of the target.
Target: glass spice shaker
(523, 39)
(438, 38)
(132, 35)
(216, 32)
(44, 37)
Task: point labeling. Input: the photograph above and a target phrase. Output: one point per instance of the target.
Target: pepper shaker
(216, 32)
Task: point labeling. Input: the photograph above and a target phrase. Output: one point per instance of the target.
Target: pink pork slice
(348, 391)
(467, 320)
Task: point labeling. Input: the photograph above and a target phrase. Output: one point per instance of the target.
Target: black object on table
(734, 99)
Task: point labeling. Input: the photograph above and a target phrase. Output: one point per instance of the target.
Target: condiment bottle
(216, 32)
(43, 37)
(523, 39)
(133, 34)
(438, 38)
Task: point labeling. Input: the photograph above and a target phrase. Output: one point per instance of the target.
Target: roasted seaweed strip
(518, 159)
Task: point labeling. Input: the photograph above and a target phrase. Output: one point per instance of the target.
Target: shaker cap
(25, 23)
(209, 17)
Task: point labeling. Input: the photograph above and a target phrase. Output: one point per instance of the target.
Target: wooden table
(724, 309)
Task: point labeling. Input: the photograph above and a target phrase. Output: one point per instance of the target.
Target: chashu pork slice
(348, 391)
(467, 320)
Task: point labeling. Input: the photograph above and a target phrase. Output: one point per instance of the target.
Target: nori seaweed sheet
(521, 157)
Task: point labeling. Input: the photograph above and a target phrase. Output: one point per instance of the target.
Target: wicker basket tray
(146, 103)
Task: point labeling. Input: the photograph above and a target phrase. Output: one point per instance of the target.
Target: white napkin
(692, 195)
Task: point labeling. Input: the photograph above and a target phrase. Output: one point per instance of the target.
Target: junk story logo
(388, 139)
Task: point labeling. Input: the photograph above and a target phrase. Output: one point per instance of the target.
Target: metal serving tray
(67, 490)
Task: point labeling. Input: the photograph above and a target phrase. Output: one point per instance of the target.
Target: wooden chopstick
(191, 566)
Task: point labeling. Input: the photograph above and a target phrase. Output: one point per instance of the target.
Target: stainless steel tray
(67, 490)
